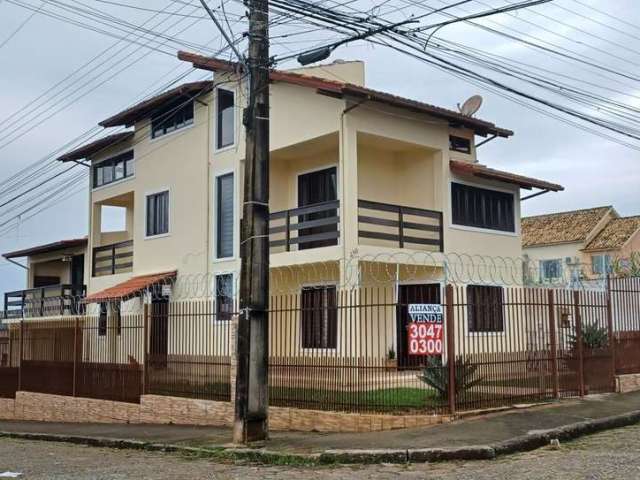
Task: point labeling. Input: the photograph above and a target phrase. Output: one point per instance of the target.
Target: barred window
(102, 319)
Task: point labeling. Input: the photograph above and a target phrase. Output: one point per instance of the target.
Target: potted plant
(391, 362)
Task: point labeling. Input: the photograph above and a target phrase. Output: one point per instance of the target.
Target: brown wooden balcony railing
(400, 226)
(52, 300)
(306, 227)
(112, 259)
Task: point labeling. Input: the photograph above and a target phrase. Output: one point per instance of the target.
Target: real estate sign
(425, 329)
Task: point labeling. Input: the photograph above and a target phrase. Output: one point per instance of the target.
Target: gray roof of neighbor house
(96, 146)
(343, 89)
(561, 227)
(49, 247)
(615, 234)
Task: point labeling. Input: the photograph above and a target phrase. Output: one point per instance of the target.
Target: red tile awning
(131, 287)
(478, 170)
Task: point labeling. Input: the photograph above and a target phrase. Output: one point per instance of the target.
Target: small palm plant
(436, 375)
(593, 337)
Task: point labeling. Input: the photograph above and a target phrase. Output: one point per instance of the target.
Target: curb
(521, 443)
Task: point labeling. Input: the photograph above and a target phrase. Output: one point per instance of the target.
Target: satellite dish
(470, 106)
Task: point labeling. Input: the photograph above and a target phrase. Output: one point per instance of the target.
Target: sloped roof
(147, 107)
(562, 227)
(478, 170)
(49, 247)
(130, 287)
(94, 147)
(342, 89)
(615, 234)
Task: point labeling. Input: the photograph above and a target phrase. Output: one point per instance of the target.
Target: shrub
(436, 375)
(593, 337)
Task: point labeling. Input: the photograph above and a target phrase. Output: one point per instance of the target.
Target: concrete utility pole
(251, 407)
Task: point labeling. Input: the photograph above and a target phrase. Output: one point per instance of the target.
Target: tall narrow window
(319, 317)
(485, 309)
(482, 208)
(157, 214)
(225, 119)
(102, 319)
(224, 296)
(224, 216)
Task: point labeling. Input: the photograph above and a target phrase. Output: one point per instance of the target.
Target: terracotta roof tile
(131, 287)
(562, 227)
(481, 127)
(147, 107)
(96, 146)
(615, 234)
(46, 248)
(478, 170)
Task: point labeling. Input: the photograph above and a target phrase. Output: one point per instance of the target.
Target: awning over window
(478, 170)
(131, 287)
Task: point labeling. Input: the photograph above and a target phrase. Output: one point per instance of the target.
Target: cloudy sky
(37, 52)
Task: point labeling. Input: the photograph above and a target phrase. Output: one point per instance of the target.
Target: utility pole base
(250, 431)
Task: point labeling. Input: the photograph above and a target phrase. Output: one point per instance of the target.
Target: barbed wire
(219, 291)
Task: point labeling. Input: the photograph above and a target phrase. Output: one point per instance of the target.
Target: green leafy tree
(436, 375)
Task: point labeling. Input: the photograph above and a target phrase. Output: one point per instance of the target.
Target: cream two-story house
(366, 188)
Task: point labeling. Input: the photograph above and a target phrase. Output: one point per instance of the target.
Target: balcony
(398, 226)
(303, 228)
(49, 301)
(112, 259)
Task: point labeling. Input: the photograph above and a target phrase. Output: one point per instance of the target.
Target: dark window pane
(171, 118)
(157, 214)
(225, 119)
(113, 169)
(319, 317)
(224, 297)
(102, 319)
(224, 220)
(313, 188)
(482, 208)
(459, 144)
(485, 310)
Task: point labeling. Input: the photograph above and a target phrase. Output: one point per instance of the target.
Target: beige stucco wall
(51, 264)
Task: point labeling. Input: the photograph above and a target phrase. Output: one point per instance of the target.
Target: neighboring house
(55, 280)
(354, 174)
(617, 240)
(577, 245)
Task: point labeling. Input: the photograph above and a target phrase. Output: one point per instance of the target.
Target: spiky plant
(593, 337)
(436, 375)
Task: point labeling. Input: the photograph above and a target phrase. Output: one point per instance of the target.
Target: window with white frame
(601, 264)
(225, 118)
(224, 296)
(157, 214)
(224, 216)
(551, 269)
(482, 208)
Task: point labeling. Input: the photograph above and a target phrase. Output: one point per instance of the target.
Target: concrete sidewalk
(489, 429)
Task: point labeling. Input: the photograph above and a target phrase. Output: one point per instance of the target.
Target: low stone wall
(628, 383)
(186, 411)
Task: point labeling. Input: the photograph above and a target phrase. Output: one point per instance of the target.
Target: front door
(408, 294)
(313, 188)
(159, 332)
